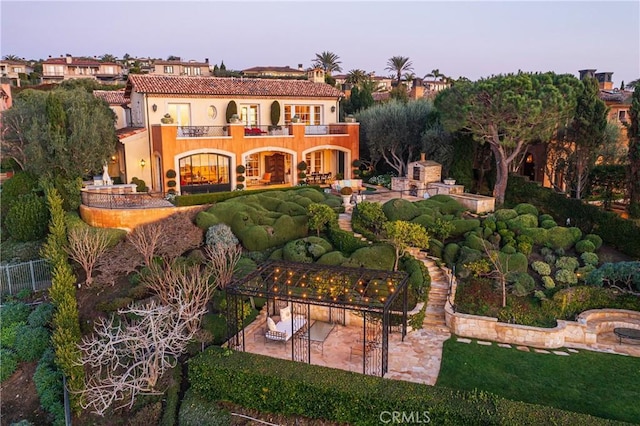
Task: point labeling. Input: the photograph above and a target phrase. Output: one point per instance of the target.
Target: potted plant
(350, 118)
(295, 119)
(346, 195)
(167, 119)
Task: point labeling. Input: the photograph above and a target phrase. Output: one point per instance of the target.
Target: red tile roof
(275, 69)
(78, 62)
(216, 86)
(112, 97)
(186, 63)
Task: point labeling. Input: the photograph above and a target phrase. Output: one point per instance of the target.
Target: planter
(449, 181)
(346, 200)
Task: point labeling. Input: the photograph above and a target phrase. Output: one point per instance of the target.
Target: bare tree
(146, 239)
(500, 268)
(187, 289)
(223, 261)
(122, 259)
(86, 246)
(180, 235)
(127, 357)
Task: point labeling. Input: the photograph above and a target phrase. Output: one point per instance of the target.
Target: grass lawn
(599, 384)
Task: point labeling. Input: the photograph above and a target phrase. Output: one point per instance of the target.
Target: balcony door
(249, 115)
(274, 164)
(181, 113)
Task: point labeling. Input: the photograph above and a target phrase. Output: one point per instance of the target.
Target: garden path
(418, 357)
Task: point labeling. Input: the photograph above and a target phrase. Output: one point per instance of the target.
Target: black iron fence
(202, 131)
(132, 200)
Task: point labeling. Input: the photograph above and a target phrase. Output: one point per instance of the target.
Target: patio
(341, 317)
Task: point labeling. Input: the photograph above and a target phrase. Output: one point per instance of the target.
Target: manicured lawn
(599, 384)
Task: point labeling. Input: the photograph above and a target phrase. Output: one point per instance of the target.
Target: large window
(314, 162)
(249, 115)
(168, 69)
(309, 114)
(204, 169)
(252, 167)
(181, 113)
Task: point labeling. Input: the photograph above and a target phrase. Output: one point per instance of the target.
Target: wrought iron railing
(132, 200)
(326, 129)
(202, 131)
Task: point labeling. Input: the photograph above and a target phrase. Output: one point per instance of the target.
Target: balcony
(257, 131)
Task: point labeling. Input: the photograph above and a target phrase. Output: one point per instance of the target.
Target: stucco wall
(126, 219)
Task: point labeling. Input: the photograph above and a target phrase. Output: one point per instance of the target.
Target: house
(189, 145)
(178, 67)
(56, 70)
(13, 70)
(275, 72)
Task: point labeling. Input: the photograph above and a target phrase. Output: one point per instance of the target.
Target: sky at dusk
(470, 39)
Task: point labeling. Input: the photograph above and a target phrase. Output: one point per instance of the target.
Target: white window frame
(181, 113)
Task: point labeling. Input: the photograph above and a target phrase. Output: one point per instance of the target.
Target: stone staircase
(344, 222)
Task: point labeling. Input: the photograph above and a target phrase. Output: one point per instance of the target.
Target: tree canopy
(328, 61)
(399, 65)
(62, 133)
(633, 130)
(508, 112)
(394, 131)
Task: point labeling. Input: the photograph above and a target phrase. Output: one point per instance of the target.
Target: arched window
(205, 169)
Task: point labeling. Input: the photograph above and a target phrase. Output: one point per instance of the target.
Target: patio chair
(266, 179)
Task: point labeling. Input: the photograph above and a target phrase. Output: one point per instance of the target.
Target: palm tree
(328, 61)
(11, 58)
(108, 57)
(399, 64)
(356, 77)
(435, 74)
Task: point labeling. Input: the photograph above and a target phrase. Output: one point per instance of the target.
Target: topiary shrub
(240, 169)
(371, 216)
(381, 256)
(544, 217)
(240, 186)
(475, 242)
(523, 284)
(560, 237)
(334, 258)
(255, 238)
(548, 224)
(435, 247)
(275, 113)
(589, 258)
(585, 246)
(505, 214)
(232, 109)
(568, 263)
(450, 253)
(595, 239)
(302, 166)
(516, 262)
(344, 241)
(424, 219)
(541, 268)
(566, 276)
(509, 249)
(27, 218)
(462, 226)
(292, 209)
(577, 234)
(523, 221)
(171, 174)
(8, 365)
(346, 190)
(526, 208)
(205, 220)
(399, 209)
(31, 342)
(548, 282)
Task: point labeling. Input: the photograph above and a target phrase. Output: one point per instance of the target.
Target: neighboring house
(194, 68)
(56, 70)
(275, 72)
(13, 69)
(204, 150)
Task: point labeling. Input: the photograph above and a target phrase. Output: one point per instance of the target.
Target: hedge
(292, 388)
(615, 231)
(216, 197)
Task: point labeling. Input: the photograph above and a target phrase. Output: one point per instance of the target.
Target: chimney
(69, 59)
(423, 157)
(300, 67)
(206, 60)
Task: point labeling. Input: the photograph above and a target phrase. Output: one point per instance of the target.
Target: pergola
(375, 295)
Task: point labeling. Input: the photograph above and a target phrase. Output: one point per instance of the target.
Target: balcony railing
(202, 131)
(135, 200)
(326, 129)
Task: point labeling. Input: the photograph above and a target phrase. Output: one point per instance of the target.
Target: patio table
(318, 333)
(627, 333)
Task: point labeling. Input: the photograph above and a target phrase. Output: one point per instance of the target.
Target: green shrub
(450, 253)
(8, 334)
(509, 249)
(544, 217)
(526, 208)
(585, 246)
(583, 272)
(548, 224)
(399, 209)
(576, 233)
(541, 268)
(589, 258)
(370, 215)
(344, 241)
(561, 237)
(19, 184)
(172, 395)
(312, 194)
(291, 209)
(41, 316)
(523, 221)
(305, 250)
(462, 226)
(568, 263)
(475, 242)
(447, 205)
(566, 276)
(12, 313)
(276, 255)
(505, 214)
(595, 239)
(245, 266)
(490, 222)
(287, 228)
(380, 256)
(622, 274)
(548, 282)
(8, 365)
(27, 218)
(334, 258)
(523, 284)
(500, 225)
(516, 262)
(31, 342)
(435, 247)
(255, 238)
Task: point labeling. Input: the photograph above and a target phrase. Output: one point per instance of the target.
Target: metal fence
(33, 275)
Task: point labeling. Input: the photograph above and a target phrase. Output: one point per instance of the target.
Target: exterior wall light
(142, 163)
(154, 107)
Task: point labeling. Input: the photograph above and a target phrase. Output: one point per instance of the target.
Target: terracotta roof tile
(275, 69)
(216, 86)
(112, 97)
